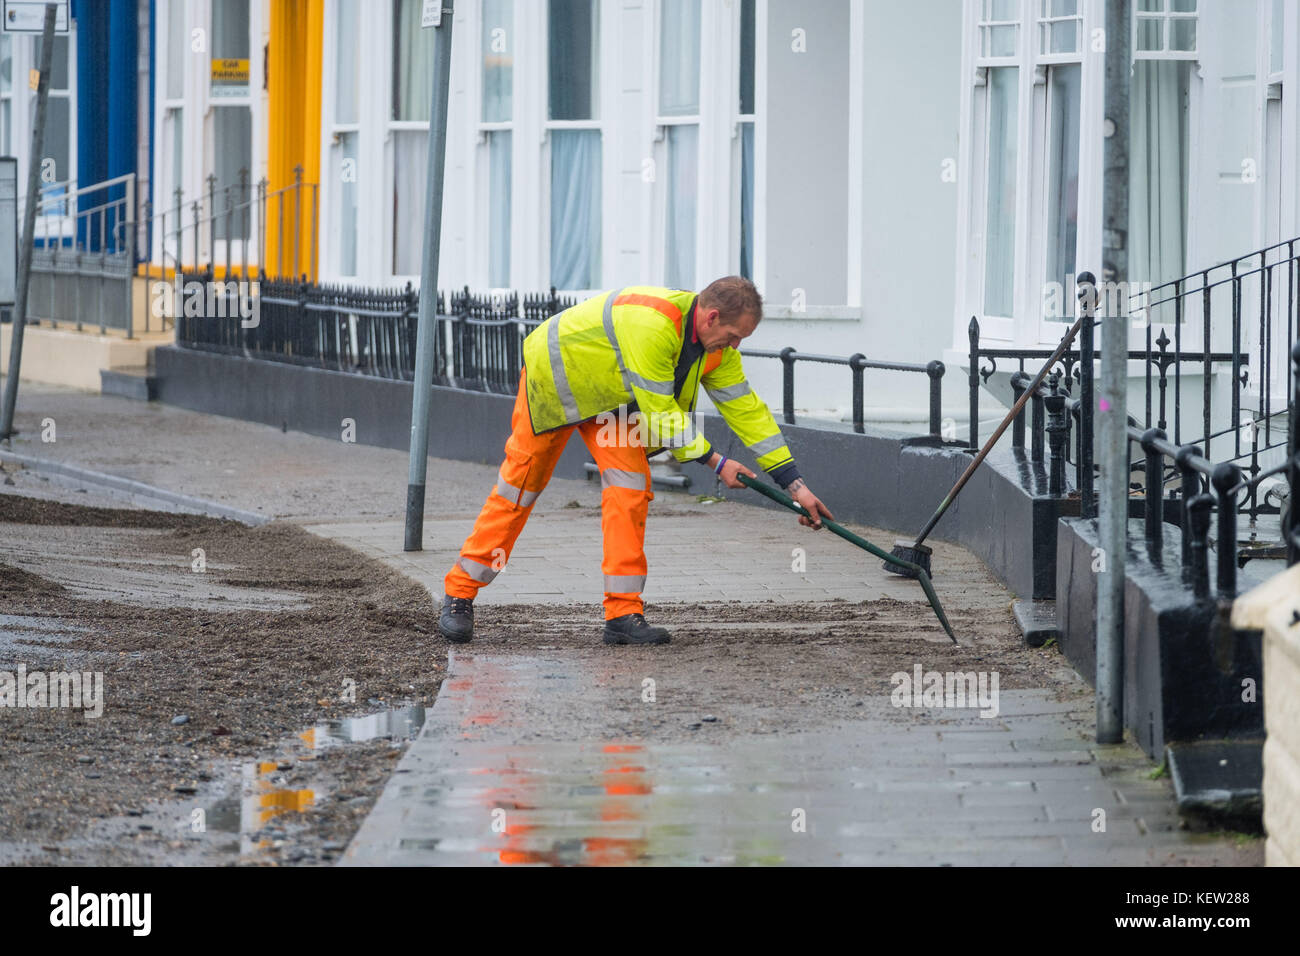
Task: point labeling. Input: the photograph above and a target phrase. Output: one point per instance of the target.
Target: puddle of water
(268, 802)
(401, 723)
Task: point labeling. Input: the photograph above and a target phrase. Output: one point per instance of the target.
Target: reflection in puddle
(523, 843)
(268, 800)
(401, 723)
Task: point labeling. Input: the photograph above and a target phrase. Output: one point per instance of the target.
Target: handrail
(1289, 243)
(857, 363)
(47, 194)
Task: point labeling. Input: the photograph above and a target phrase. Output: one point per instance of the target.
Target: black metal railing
(858, 364)
(1074, 368)
(1206, 492)
(1268, 277)
(1192, 501)
(478, 342)
(1053, 413)
(1236, 475)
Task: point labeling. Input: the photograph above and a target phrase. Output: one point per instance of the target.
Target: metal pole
(29, 226)
(422, 387)
(1112, 409)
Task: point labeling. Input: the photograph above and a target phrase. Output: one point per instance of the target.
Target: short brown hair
(733, 296)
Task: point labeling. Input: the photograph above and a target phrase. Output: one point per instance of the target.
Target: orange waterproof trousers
(624, 499)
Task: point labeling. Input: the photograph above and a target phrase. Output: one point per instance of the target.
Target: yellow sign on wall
(230, 73)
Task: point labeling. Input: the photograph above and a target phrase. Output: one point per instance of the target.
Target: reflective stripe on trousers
(624, 583)
(479, 572)
(618, 478)
(530, 460)
(513, 494)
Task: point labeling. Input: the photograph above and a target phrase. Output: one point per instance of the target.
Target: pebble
(331, 846)
(709, 719)
(184, 788)
(695, 726)
(180, 719)
(85, 759)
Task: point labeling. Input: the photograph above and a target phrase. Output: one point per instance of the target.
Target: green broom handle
(780, 497)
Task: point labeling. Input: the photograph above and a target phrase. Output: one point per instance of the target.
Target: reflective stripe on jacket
(622, 348)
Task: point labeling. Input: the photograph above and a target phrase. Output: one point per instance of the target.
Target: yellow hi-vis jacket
(636, 348)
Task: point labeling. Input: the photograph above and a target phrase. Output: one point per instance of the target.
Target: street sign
(8, 230)
(431, 13)
(28, 16)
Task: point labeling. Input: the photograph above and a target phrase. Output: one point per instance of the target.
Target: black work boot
(632, 629)
(457, 619)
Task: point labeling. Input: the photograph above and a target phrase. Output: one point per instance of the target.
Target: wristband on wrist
(722, 460)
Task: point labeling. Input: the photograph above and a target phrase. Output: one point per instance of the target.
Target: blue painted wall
(106, 101)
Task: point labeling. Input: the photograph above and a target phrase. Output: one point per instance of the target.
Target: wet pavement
(529, 757)
(490, 781)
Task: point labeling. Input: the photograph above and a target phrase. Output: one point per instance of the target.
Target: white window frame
(165, 134)
(738, 122)
(391, 126)
(1193, 329)
(658, 250)
(217, 251)
(1026, 328)
(9, 97)
(1050, 331)
(22, 114)
(1166, 18)
(606, 105)
(374, 196)
(974, 203)
(1279, 166)
(331, 205)
(478, 225)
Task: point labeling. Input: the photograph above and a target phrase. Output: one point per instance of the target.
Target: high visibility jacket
(635, 348)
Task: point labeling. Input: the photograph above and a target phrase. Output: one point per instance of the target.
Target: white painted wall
(902, 225)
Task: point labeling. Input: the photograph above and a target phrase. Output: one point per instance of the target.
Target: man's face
(715, 335)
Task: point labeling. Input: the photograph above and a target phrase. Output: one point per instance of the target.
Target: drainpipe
(1111, 409)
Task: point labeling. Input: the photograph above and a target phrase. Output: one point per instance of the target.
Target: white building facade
(883, 171)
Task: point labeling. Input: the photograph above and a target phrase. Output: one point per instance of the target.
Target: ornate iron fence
(478, 344)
